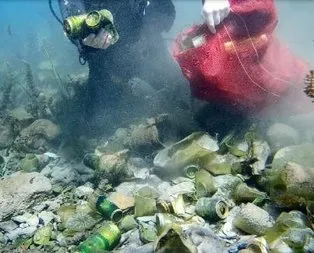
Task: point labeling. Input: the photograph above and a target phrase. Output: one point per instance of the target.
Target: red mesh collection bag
(243, 66)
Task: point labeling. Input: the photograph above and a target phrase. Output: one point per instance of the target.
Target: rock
(25, 232)
(281, 135)
(64, 176)
(42, 127)
(22, 116)
(291, 186)
(49, 205)
(30, 163)
(83, 191)
(31, 219)
(6, 137)
(46, 217)
(8, 226)
(138, 162)
(301, 154)
(18, 191)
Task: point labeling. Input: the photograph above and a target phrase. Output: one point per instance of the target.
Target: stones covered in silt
(29, 163)
(292, 185)
(19, 191)
(37, 137)
(42, 127)
(291, 233)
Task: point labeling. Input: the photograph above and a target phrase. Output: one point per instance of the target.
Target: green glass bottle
(108, 209)
(106, 239)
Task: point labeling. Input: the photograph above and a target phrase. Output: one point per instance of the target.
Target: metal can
(212, 208)
(91, 161)
(106, 239)
(108, 209)
(164, 207)
(190, 170)
(204, 184)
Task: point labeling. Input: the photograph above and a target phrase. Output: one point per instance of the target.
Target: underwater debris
(205, 185)
(110, 166)
(107, 238)
(190, 150)
(309, 82)
(253, 219)
(212, 209)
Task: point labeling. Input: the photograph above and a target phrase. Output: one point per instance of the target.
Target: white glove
(214, 12)
(100, 41)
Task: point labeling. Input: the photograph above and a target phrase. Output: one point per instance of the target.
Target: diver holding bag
(243, 66)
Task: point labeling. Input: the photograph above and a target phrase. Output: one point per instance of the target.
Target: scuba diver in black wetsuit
(132, 47)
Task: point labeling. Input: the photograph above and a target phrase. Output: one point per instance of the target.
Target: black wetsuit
(140, 52)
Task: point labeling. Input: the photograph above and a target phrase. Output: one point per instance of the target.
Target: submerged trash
(176, 205)
(110, 166)
(127, 223)
(145, 202)
(148, 232)
(284, 222)
(244, 193)
(190, 170)
(143, 137)
(106, 239)
(174, 240)
(253, 219)
(108, 209)
(212, 209)
(256, 245)
(190, 150)
(205, 185)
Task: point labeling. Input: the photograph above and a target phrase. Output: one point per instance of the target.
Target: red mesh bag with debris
(243, 66)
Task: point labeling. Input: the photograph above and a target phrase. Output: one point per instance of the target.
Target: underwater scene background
(122, 155)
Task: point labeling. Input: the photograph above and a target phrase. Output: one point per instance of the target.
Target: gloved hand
(214, 12)
(102, 40)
